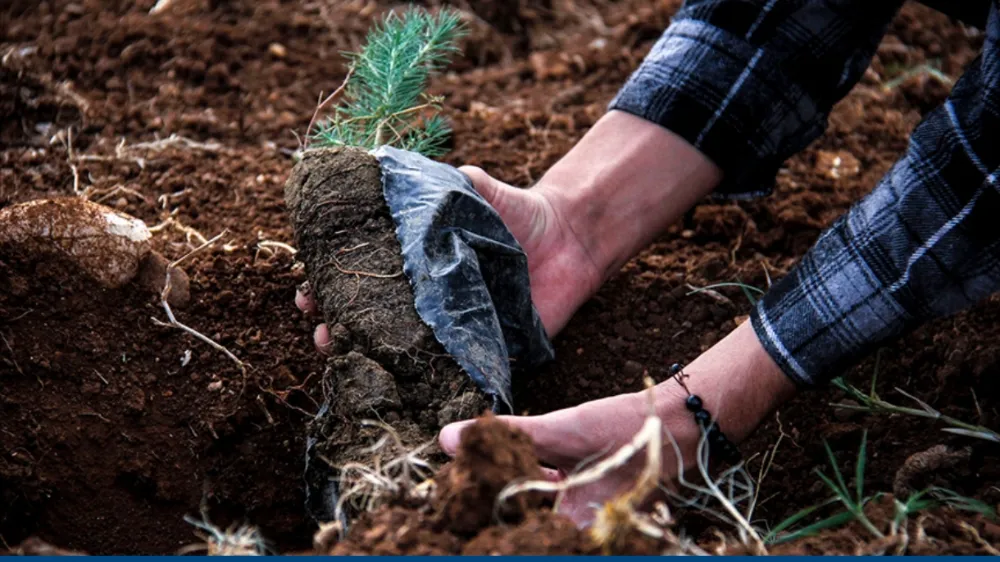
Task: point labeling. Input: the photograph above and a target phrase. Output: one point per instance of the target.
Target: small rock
(153, 276)
(104, 244)
(837, 165)
(937, 466)
(214, 386)
(277, 50)
(633, 369)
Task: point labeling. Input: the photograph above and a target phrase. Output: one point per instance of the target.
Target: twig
(322, 105)
(95, 415)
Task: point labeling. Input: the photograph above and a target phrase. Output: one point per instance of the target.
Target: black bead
(716, 437)
(703, 416)
(674, 369)
(693, 403)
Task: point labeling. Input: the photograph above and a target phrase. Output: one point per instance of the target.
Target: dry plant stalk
(617, 518)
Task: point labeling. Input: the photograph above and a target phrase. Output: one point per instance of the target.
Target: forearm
(624, 183)
(738, 382)
(922, 245)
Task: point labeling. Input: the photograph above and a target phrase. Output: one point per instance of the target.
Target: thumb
(536, 427)
(484, 183)
(451, 436)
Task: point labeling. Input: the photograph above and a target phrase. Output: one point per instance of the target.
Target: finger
(552, 475)
(484, 184)
(305, 300)
(579, 507)
(451, 436)
(321, 337)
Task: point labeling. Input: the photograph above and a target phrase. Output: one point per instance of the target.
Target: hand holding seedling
(595, 209)
(677, 130)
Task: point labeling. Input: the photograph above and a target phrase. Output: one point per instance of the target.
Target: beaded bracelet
(718, 444)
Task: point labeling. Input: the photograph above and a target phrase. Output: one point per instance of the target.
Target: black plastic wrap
(469, 275)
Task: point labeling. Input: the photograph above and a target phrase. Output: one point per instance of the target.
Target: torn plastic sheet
(469, 275)
(470, 284)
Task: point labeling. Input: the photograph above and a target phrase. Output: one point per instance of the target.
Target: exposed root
(336, 263)
(237, 540)
(619, 517)
(365, 488)
(160, 7)
(272, 247)
(731, 488)
(172, 320)
(975, 537)
(189, 233)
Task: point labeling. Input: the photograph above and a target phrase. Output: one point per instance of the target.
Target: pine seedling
(385, 99)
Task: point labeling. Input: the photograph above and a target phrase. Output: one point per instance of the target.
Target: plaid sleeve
(924, 244)
(751, 82)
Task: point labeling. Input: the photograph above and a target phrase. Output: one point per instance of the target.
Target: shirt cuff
(728, 99)
(828, 313)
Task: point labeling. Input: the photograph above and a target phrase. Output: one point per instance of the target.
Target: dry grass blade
(618, 517)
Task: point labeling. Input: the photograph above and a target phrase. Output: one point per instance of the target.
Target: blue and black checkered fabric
(751, 83)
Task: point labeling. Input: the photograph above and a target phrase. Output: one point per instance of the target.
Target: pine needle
(384, 100)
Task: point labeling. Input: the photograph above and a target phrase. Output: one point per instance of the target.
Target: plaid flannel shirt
(750, 83)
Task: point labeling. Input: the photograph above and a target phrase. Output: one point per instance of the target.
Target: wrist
(623, 184)
(737, 381)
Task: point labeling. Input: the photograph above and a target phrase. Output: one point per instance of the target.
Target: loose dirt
(112, 427)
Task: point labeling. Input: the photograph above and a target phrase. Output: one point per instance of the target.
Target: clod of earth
(461, 515)
(393, 368)
(107, 246)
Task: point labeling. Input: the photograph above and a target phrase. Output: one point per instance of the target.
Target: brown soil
(112, 427)
(461, 516)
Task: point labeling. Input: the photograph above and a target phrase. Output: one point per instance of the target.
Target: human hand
(736, 379)
(563, 274)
